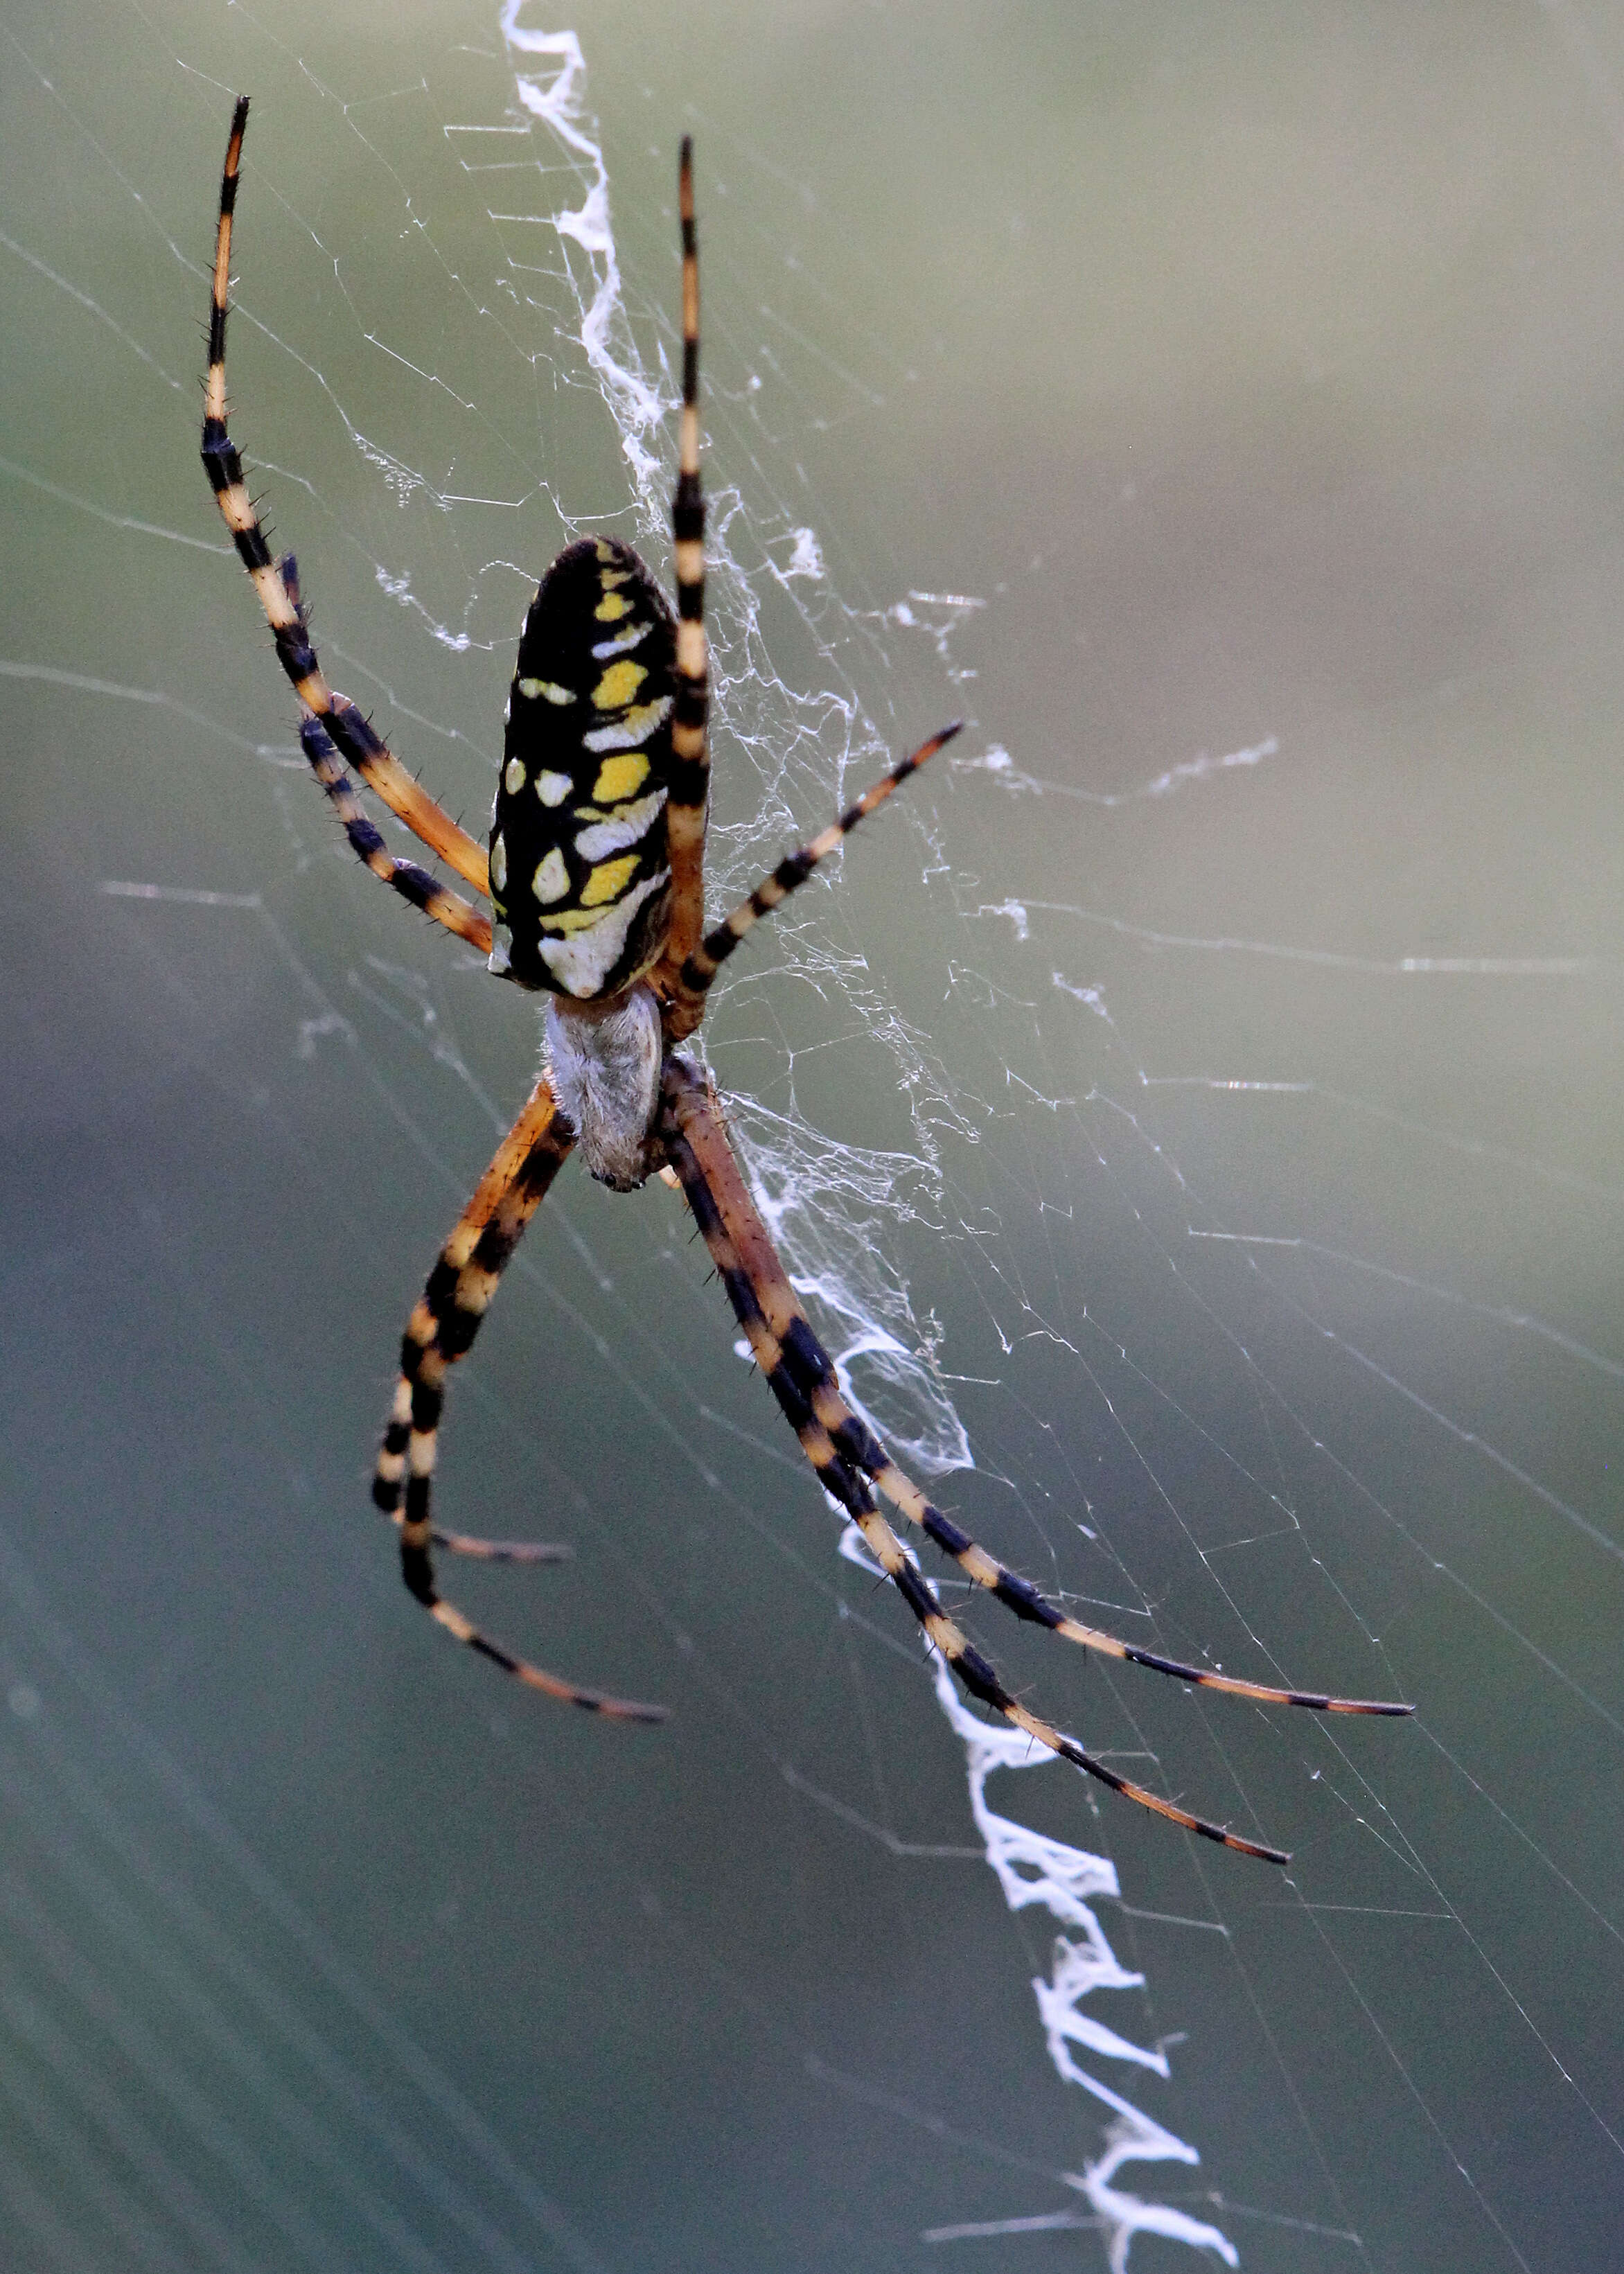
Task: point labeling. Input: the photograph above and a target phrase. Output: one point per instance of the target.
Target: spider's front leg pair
(332, 730)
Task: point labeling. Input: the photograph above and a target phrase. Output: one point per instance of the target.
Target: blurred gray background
(1161, 385)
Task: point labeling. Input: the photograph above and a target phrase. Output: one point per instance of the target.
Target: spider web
(1181, 1112)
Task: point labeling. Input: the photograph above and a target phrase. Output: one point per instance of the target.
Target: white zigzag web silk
(869, 1309)
(1234, 1064)
(1036, 1870)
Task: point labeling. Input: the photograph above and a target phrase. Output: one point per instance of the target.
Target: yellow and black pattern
(580, 873)
(353, 737)
(441, 1331)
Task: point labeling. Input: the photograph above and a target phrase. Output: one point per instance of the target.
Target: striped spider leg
(798, 1371)
(441, 1331)
(850, 1461)
(276, 583)
(690, 780)
(414, 886)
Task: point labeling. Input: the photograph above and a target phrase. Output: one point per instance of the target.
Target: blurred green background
(1155, 387)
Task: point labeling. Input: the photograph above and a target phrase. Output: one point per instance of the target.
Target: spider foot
(503, 1551)
(418, 1573)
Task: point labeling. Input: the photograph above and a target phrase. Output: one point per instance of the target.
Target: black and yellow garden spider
(595, 881)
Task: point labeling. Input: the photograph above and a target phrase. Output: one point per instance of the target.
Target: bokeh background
(1209, 1081)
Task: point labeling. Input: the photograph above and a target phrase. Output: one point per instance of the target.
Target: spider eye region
(580, 870)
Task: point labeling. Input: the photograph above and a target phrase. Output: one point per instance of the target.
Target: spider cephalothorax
(596, 880)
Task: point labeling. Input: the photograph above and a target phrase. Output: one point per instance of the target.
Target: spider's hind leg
(796, 1368)
(807, 1363)
(441, 1330)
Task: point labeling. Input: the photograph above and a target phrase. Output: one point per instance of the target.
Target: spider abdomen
(580, 875)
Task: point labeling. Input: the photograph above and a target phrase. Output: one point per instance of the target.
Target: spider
(595, 878)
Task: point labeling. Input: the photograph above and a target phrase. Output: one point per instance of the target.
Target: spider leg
(859, 1447)
(689, 787)
(412, 882)
(744, 1256)
(694, 980)
(441, 1330)
(1020, 1595)
(360, 744)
